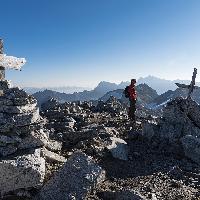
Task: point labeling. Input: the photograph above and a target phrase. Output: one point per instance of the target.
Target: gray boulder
(51, 156)
(122, 195)
(74, 180)
(24, 171)
(4, 85)
(191, 146)
(118, 148)
(179, 128)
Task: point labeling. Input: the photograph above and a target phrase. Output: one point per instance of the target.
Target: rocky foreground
(83, 151)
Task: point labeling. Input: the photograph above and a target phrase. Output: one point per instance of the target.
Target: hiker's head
(133, 81)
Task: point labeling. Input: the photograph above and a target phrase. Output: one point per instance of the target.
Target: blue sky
(81, 42)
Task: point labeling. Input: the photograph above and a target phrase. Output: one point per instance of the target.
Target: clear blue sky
(81, 42)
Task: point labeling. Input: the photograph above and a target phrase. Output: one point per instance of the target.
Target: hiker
(130, 93)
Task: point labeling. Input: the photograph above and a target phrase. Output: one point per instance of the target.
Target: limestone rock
(179, 128)
(74, 180)
(33, 140)
(4, 85)
(22, 172)
(118, 148)
(7, 150)
(51, 156)
(122, 195)
(191, 146)
(53, 145)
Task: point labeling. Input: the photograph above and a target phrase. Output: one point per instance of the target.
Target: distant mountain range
(145, 94)
(162, 99)
(161, 85)
(102, 88)
(65, 89)
(151, 87)
(158, 84)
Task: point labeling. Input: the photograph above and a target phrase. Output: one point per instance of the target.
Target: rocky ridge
(108, 156)
(21, 139)
(139, 161)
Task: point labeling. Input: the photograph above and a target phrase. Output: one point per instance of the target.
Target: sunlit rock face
(21, 139)
(22, 171)
(74, 180)
(179, 126)
(20, 122)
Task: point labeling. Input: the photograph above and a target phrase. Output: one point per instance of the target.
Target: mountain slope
(145, 94)
(161, 85)
(162, 99)
(65, 89)
(101, 89)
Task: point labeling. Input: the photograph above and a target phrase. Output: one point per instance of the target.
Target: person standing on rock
(130, 93)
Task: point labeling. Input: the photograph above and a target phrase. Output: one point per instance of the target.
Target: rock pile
(21, 136)
(112, 106)
(179, 127)
(64, 118)
(79, 126)
(74, 180)
(136, 163)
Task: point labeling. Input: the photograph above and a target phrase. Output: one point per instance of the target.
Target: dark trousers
(132, 109)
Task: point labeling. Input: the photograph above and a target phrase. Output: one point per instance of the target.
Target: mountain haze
(102, 88)
(161, 85)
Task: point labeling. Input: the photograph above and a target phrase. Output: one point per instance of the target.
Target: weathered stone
(16, 92)
(77, 136)
(48, 105)
(118, 148)
(26, 119)
(112, 106)
(17, 109)
(74, 180)
(191, 146)
(53, 145)
(22, 119)
(5, 102)
(148, 130)
(7, 150)
(22, 172)
(33, 140)
(4, 85)
(51, 156)
(121, 195)
(25, 130)
(4, 140)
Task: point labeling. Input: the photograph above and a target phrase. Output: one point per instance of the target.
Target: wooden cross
(2, 69)
(9, 62)
(192, 86)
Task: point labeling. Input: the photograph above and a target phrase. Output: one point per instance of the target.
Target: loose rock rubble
(91, 150)
(139, 159)
(74, 180)
(20, 132)
(179, 127)
(22, 139)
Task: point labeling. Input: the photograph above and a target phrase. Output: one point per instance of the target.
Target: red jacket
(132, 92)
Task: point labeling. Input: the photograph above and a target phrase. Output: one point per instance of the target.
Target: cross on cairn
(192, 86)
(9, 62)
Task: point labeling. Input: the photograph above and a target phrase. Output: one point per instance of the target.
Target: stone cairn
(21, 133)
(21, 138)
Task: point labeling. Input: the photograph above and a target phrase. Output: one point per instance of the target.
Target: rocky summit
(91, 150)
(21, 137)
(179, 128)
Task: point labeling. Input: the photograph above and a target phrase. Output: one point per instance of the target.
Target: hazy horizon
(87, 87)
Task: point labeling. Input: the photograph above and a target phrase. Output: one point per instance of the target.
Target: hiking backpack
(126, 92)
